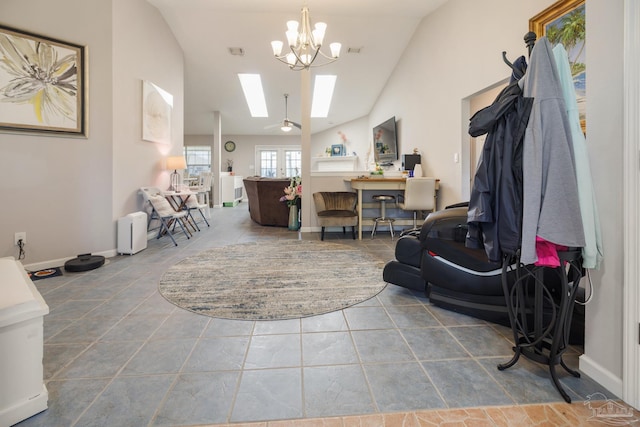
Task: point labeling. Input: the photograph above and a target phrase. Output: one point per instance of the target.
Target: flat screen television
(385, 142)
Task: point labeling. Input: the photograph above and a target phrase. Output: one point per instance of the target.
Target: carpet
(273, 280)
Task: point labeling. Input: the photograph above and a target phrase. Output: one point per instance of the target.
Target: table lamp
(175, 163)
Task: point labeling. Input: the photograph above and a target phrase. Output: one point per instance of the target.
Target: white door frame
(279, 148)
(631, 204)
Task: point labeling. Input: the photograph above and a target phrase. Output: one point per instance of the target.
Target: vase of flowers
(291, 196)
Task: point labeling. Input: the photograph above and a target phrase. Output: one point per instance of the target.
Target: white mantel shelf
(334, 164)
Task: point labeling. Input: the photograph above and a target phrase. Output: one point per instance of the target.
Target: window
(268, 163)
(279, 161)
(293, 163)
(198, 159)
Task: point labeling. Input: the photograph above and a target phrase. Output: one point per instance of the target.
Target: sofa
(263, 195)
(435, 260)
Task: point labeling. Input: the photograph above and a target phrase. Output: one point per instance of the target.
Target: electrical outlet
(21, 235)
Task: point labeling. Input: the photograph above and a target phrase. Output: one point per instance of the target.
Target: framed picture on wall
(43, 85)
(564, 22)
(157, 104)
(337, 150)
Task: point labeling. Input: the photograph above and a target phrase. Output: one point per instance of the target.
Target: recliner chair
(455, 277)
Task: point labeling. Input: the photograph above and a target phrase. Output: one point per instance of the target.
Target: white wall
(67, 193)
(358, 134)
(139, 34)
(603, 347)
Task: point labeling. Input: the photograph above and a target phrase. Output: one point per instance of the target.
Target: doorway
(284, 161)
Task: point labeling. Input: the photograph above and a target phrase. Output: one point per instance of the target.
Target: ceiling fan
(286, 124)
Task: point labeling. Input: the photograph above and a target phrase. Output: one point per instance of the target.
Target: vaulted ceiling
(205, 29)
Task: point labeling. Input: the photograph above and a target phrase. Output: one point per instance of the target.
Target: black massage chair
(434, 259)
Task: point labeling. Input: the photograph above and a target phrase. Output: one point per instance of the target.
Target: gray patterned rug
(273, 280)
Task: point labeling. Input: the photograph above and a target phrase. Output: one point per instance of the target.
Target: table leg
(359, 214)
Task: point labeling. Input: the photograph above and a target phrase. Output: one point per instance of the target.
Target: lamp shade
(176, 162)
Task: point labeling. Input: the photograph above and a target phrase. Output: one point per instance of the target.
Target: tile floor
(118, 354)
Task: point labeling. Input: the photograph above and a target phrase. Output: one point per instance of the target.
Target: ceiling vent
(354, 50)
(236, 51)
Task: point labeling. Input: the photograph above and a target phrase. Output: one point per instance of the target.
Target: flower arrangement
(293, 192)
(343, 137)
(378, 170)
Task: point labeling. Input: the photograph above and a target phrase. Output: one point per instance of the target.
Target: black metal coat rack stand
(540, 304)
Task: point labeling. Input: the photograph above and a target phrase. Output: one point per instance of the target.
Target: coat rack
(540, 300)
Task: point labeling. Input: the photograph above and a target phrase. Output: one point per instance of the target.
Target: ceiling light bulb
(276, 45)
(286, 128)
(292, 38)
(292, 26)
(318, 33)
(335, 49)
(291, 58)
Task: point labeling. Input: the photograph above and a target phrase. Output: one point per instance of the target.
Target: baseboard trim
(60, 261)
(601, 375)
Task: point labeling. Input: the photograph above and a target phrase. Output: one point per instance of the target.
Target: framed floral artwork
(43, 85)
(564, 22)
(337, 150)
(157, 104)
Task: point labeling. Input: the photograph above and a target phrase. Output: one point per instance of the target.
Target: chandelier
(305, 44)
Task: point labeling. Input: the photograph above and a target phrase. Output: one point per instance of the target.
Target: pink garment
(548, 253)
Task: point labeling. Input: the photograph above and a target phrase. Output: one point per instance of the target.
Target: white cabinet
(231, 190)
(22, 389)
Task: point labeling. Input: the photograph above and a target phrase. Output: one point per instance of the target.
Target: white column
(305, 108)
(216, 158)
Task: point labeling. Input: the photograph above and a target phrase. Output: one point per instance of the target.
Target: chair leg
(165, 226)
(204, 217)
(181, 222)
(322, 234)
(191, 220)
(353, 232)
(344, 230)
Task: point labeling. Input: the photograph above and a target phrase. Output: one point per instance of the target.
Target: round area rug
(284, 279)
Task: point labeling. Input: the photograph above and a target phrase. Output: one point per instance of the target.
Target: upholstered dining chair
(419, 196)
(336, 209)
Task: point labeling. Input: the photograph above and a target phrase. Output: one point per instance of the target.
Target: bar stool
(383, 199)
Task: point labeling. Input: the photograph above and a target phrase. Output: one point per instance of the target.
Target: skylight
(322, 94)
(253, 93)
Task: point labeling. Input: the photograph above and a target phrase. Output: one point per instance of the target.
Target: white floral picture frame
(157, 104)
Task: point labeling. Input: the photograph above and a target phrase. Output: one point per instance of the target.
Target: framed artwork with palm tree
(564, 22)
(43, 85)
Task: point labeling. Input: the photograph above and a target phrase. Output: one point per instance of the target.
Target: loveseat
(435, 260)
(263, 194)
